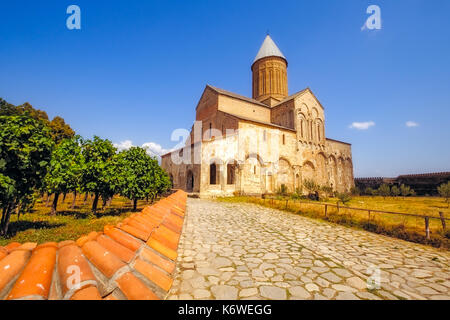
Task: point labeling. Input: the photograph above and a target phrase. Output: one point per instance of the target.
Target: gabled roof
(133, 260)
(270, 124)
(295, 95)
(269, 49)
(237, 96)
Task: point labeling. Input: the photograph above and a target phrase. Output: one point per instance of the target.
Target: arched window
(213, 177)
(284, 138)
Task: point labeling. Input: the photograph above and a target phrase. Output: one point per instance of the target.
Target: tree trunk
(134, 204)
(55, 204)
(104, 200)
(85, 198)
(5, 219)
(64, 197)
(74, 200)
(94, 204)
(48, 199)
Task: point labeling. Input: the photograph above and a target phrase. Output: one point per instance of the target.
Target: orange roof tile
(93, 267)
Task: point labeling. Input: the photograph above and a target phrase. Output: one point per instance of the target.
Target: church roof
(237, 96)
(269, 49)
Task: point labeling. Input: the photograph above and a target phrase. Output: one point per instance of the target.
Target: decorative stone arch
(321, 168)
(320, 131)
(215, 165)
(308, 171)
(285, 174)
(302, 126)
(232, 166)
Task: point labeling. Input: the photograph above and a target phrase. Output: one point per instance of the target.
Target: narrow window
(213, 174)
(264, 135)
(254, 170)
(230, 173)
(284, 139)
(210, 130)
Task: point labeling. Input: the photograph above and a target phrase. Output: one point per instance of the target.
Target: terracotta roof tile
(162, 249)
(158, 260)
(122, 252)
(11, 246)
(36, 278)
(65, 270)
(153, 274)
(89, 293)
(135, 289)
(122, 238)
(73, 269)
(102, 259)
(11, 265)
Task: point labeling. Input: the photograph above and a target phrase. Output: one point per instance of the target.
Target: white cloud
(153, 149)
(362, 125)
(411, 124)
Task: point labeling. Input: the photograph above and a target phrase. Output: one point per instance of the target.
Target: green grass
(68, 224)
(402, 227)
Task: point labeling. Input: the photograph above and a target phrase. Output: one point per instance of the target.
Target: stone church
(257, 145)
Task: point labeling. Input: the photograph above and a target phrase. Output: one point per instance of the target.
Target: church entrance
(190, 181)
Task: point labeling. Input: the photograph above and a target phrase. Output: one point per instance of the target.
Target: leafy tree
(384, 190)
(311, 185)
(395, 191)
(60, 130)
(25, 152)
(328, 190)
(405, 190)
(355, 191)
(64, 172)
(134, 170)
(344, 197)
(283, 190)
(444, 191)
(96, 176)
(368, 191)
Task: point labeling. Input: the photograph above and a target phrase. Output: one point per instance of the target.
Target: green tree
(97, 176)
(405, 190)
(395, 191)
(368, 191)
(384, 190)
(25, 152)
(310, 185)
(64, 172)
(328, 190)
(60, 130)
(344, 197)
(355, 191)
(444, 192)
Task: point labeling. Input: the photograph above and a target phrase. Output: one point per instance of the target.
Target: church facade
(261, 144)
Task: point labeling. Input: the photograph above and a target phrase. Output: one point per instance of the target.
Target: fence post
(427, 227)
(444, 227)
(326, 209)
(369, 215)
(338, 206)
(287, 200)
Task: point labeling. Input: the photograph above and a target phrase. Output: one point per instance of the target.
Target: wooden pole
(338, 206)
(427, 227)
(326, 209)
(369, 215)
(287, 200)
(444, 227)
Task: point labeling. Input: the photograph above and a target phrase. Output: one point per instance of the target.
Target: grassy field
(68, 224)
(399, 226)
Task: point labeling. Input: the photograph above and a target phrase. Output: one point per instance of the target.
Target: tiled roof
(133, 260)
(237, 96)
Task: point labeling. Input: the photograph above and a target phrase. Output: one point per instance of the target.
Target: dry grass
(399, 226)
(39, 226)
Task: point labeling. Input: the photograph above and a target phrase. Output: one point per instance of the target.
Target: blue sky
(136, 69)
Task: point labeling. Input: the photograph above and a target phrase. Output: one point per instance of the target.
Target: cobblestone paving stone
(245, 251)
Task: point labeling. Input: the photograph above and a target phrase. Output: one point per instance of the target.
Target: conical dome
(269, 49)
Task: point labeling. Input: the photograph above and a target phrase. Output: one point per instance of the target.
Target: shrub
(355, 191)
(283, 190)
(395, 191)
(344, 197)
(384, 190)
(444, 192)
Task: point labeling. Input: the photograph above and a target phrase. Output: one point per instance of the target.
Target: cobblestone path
(244, 251)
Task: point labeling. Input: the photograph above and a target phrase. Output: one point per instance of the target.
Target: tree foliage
(139, 176)
(395, 191)
(384, 190)
(64, 172)
(97, 174)
(444, 192)
(344, 197)
(25, 152)
(311, 186)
